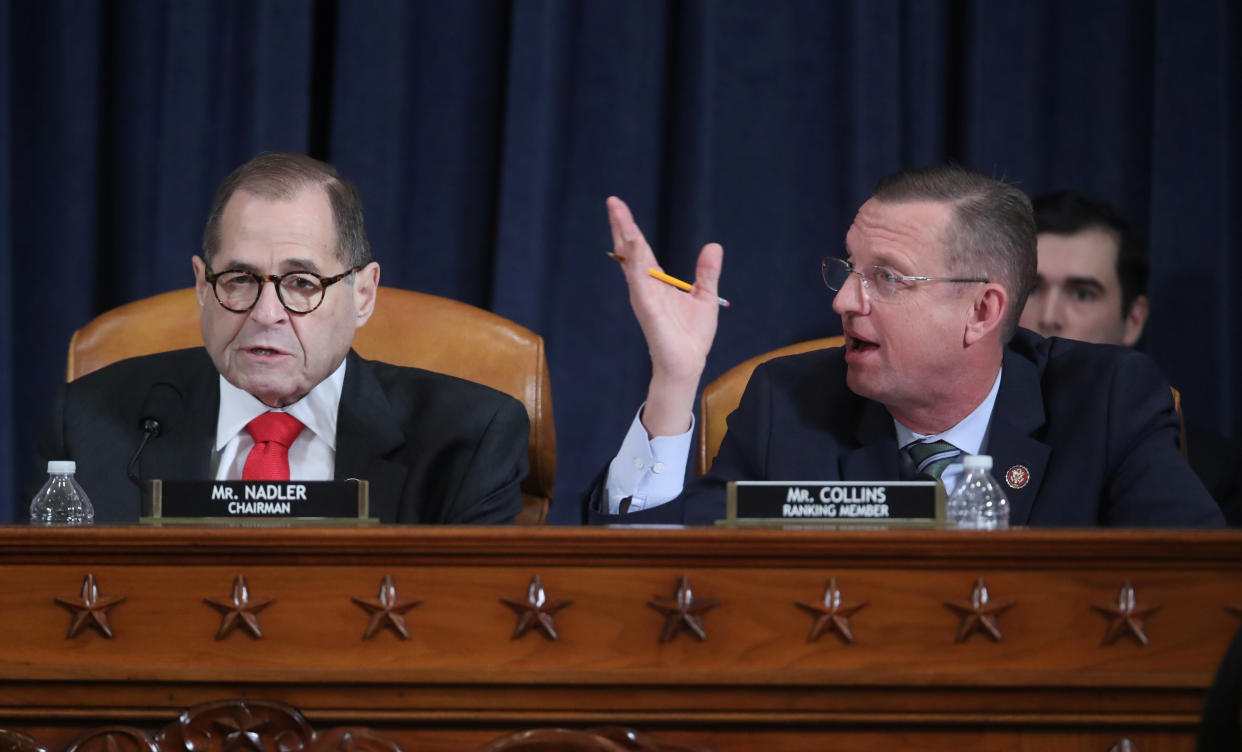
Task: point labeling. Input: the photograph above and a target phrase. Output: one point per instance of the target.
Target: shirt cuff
(649, 472)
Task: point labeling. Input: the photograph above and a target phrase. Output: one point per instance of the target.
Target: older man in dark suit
(285, 280)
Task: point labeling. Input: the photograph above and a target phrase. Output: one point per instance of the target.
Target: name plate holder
(257, 503)
(845, 503)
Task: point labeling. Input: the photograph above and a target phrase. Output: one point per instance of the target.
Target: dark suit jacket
(1218, 461)
(1221, 727)
(1093, 424)
(434, 448)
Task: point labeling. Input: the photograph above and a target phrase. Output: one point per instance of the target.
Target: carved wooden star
(239, 611)
(242, 731)
(683, 611)
(113, 739)
(536, 612)
(833, 615)
(978, 614)
(90, 609)
(1127, 616)
(387, 611)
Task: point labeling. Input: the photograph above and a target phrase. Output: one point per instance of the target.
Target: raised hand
(679, 327)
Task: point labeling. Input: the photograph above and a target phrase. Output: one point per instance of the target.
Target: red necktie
(272, 434)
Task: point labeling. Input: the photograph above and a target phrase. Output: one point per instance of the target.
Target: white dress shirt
(652, 471)
(649, 471)
(312, 456)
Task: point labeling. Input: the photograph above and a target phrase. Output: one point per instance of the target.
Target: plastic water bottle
(978, 501)
(61, 501)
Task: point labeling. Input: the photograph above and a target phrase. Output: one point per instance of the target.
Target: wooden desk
(755, 683)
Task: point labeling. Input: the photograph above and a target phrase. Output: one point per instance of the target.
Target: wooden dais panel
(719, 637)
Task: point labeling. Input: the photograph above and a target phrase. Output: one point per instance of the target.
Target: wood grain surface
(462, 678)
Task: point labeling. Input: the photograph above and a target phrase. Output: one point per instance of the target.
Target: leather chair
(407, 328)
(722, 395)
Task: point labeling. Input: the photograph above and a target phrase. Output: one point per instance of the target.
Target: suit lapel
(875, 457)
(366, 434)
(1017, 415)
(183, 449)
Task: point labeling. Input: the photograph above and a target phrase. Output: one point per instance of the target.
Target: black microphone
(160, 410)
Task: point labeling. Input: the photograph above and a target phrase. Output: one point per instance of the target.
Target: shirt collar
(969, 435)
(317, 410)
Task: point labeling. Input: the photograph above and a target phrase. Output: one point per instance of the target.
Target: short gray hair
(282, 175)
(992, 232)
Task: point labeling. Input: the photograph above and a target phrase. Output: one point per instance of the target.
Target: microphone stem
(148, 433)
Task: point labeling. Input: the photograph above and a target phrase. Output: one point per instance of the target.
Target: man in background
(285, 280)
(1091, 283)
(1092, 286)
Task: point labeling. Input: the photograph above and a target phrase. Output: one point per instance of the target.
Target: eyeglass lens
(836, 271)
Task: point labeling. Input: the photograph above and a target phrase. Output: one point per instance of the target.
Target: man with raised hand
(938, 265)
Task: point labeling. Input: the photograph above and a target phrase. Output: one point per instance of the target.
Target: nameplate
(835, 502)
(245, 501)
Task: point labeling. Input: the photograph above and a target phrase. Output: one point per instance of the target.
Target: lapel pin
(1018, 476)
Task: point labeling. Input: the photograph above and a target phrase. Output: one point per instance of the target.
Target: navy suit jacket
(1094, 425)
(435, 448)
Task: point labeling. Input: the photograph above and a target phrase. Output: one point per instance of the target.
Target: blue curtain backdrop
(485, 135)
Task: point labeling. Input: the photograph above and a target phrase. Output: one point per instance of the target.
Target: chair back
(1181, 419)
(722, 395)
(407, 328)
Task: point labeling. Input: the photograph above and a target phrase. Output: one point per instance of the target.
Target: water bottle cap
(977, 462)
(61, 467)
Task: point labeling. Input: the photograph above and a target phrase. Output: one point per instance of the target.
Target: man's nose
(268, 309)
(852, 297)
(1051, 315)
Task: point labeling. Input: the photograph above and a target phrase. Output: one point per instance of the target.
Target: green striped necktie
(932, 457)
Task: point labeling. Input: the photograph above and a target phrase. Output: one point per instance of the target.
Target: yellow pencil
(669, 279)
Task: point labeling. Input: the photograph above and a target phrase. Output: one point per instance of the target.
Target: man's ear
(987, 313)
(366, 287)
(202, 288)
(1134, 321)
